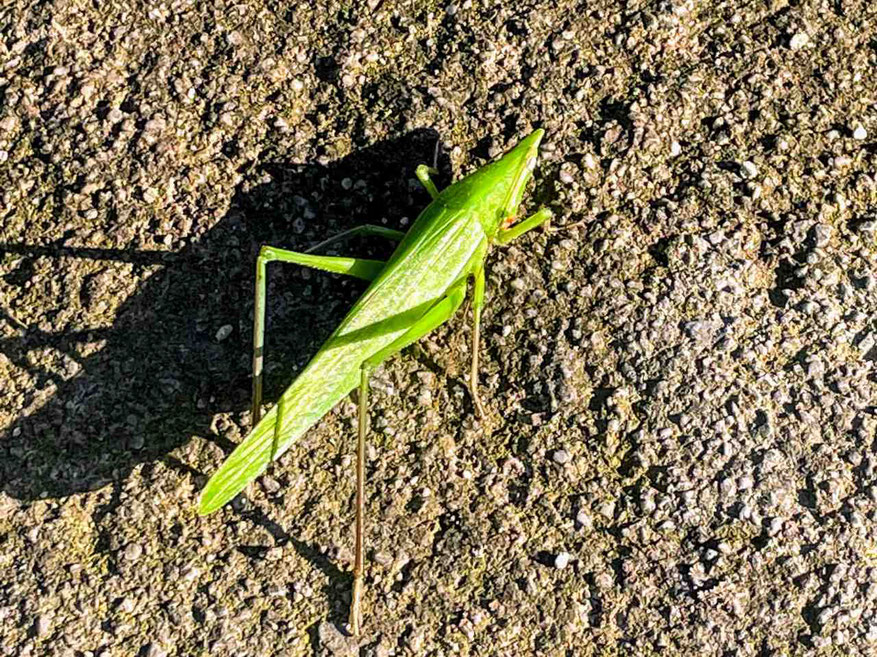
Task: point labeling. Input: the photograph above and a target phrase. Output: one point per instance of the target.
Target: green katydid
(419, 288)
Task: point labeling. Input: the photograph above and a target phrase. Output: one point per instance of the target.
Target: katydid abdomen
(440, 246)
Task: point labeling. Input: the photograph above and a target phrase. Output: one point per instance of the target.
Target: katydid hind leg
(258, 340)
(477, 305)
(359, 557)
(356, 267)
(434, 317)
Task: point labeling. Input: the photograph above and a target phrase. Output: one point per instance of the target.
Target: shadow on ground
(163, 375)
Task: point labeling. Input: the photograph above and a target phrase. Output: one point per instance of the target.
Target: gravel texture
(678, 457)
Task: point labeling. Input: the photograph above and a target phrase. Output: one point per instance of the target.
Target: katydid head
(518, 165)
(497, 189)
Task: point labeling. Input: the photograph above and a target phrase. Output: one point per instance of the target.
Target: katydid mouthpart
(419, 288)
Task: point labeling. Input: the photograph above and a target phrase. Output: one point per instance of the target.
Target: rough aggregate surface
(679, 452)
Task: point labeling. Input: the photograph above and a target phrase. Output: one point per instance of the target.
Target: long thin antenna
(435, 157)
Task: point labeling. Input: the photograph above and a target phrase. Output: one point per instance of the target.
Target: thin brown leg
(359, 559)
(435, 316)
(477, 304)
(258, 338)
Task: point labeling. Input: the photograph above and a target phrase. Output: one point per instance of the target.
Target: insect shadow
(163, 373)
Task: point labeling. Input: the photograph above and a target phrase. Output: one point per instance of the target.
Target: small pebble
(155, 650)
(604, 581)
(860, 133)
(776, 526)
(42, 625)
(270, 484)
(749, 169)
(133, 551)
(223, 332)
(822, 234)
(799, 40)
(562, 560)
(154, 125)
(561, 456)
